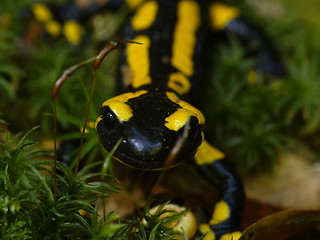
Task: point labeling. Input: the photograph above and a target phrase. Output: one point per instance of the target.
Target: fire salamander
(152, 112)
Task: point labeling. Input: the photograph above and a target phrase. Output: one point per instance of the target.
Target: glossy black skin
(150, 110)
(147, 124)
(147, 142)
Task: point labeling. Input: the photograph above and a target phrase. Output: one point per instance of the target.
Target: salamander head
(150, 124)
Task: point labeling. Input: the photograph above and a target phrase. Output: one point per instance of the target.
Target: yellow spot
(195, 112)
(221, 14)
(178, 119)
(53, 28)
(179, 83)
(145, 16)
(205, 229)
(185, 36)
(221, 213)
(133, 4)
(138, 61)
(122, 110)
(252, 77)
(41, 12)
(82, 212)
(73, 31)
(207, 154)
(231, 236)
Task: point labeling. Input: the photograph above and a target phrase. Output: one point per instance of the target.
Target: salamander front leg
(226, 217)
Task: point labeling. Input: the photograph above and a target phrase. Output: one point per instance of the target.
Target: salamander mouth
(140, 163)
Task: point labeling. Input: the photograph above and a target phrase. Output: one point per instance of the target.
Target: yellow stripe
(221, 14)
(145, 16)
(207, 154)
(138, 61)
(185, 36)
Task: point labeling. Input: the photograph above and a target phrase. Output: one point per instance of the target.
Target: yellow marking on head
(231, 236)
(73, 31)
(118, 105)
(97, 121)
(202, 135)
(195, 111)
(185, 36)
(207, 154)
(205, 229)
(53, 28)
(221, 15)
(179, 83)
(41, 12)
(145, 16)
(178, 119)
(138, 61)
(122, 110)
(125, 97)
(133, 4)
(173, 97)
(221, 213)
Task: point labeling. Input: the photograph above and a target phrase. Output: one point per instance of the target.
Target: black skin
(145, 145)
(146, 142)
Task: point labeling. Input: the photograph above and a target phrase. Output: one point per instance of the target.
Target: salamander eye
(109, 119)
(192, 127)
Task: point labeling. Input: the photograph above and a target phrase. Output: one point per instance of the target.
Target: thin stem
(85, 122)
(55, 149)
